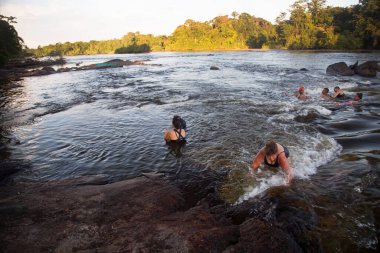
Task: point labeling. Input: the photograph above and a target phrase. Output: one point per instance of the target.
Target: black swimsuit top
(180, 139)
(277, 164)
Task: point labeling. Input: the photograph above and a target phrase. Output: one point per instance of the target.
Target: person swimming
(325, 94)
(178, 133)
(301, 93)
(273, 155)
(356, 100)
(338, 93)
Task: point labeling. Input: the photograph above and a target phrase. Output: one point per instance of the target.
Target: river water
(111, 122)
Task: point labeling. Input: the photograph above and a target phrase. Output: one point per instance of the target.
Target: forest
(308, 24)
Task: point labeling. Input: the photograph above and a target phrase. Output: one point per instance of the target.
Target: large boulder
(340, 68)
(367, 69)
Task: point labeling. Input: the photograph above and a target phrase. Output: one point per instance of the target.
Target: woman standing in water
(178, 133)
(273, 155)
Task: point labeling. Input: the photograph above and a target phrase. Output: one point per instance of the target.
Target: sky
(43, 22)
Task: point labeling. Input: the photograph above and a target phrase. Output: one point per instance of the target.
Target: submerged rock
(214, 68)
(115, 63)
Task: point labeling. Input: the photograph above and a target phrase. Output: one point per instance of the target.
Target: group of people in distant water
(337, 96)
(272, 154)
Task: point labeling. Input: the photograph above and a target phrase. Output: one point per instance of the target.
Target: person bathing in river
(273, 155)
(301, 93)
(178, 133)
(355, 101)
(325, 94)
(338, 93)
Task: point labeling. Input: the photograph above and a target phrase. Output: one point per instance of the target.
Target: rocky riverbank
(144, 214)
(15, 71)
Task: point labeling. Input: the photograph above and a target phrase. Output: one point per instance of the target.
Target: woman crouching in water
(178, 133)
(273, 155)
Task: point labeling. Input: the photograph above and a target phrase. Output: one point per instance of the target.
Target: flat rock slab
(144, 214)
(137, 215)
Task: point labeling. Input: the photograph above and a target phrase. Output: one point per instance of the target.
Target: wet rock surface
(144, 214)
(15, 72)
(366, 69)
(340, 68)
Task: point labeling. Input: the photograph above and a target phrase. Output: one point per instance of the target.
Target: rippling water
(111, 122)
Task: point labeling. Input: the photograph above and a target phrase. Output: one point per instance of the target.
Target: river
(111, 122)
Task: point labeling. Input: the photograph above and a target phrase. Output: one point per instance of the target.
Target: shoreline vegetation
(309, 25)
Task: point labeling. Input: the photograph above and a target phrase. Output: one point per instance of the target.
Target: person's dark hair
(336, 88)
(271, 147)
(325, 91)
(178, 122)
(360, 95)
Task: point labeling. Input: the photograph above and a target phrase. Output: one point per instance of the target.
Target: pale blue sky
(42, 22)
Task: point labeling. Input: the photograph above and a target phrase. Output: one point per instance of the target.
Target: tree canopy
(309, 24)
(10, 43)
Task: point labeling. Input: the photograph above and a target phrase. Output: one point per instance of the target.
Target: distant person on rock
(178, 133)
(338, 93)
(273, 155)
(325, 94)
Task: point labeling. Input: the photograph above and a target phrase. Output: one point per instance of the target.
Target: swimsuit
(180, 139)
(277, 164)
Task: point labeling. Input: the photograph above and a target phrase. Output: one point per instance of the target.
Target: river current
(111, 122)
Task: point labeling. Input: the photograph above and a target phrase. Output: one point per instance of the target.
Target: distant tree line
(310, 24)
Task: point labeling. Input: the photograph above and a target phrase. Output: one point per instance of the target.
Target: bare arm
(259, 159)
(167, 135)
(284, 163)
(338, 93)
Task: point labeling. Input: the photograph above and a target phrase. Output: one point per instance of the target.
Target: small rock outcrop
(340, 68)
(366, 69)
(214, 68)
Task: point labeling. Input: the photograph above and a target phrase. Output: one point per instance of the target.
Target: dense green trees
(10, 43)
(367, 25)
(310, 25)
